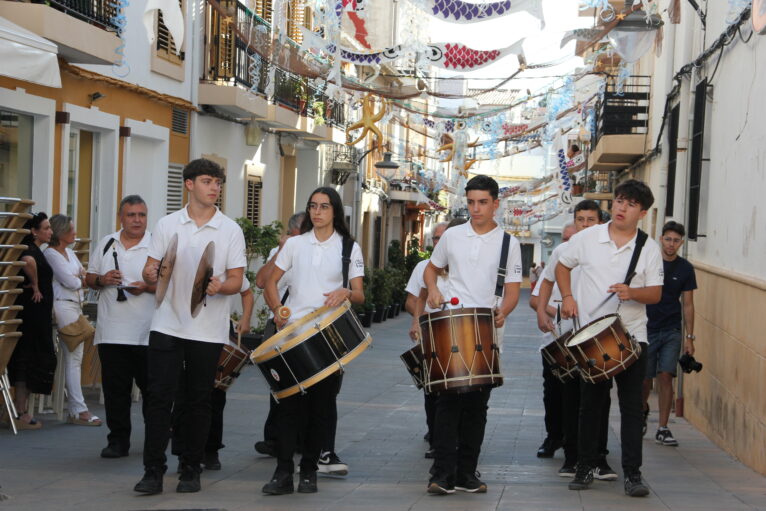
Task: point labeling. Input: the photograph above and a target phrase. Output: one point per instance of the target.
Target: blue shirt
(679, 277)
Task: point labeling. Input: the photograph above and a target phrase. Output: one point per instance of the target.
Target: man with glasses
(664, 327)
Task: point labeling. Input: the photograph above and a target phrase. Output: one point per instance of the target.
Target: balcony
(84, 30)
(622, 122)
(230, 85)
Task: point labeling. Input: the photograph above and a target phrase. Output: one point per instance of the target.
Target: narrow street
(380, 436)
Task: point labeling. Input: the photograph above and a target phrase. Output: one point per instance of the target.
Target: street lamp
(387, 168)
(634, 35)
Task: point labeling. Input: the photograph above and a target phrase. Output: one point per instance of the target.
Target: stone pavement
(380, 436)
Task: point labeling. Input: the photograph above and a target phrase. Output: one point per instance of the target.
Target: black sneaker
(646, 417)
(188, 481)
(151, 483)
(582, 479)
(211, 461)
(634, 486)
(440, 485)
(113, 451)
(430, 453)
(469, 483)
(603, 472)
(266, 447)
(281, 484)
(329, 463)
(568, 470)
(307, 482)
(665, 437)
(548, 448)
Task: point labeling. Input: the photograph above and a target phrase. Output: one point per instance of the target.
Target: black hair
(203, 167)
(635, 190)
(675, 227)
(588, 205)
(604, 216)
(33, 223)
(131, 200)
(338, 214)
(482, 182)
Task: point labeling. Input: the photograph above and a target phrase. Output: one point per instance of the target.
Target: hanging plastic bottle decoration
(566, 194)
(622, 78)
(735, 9)
(120, 67)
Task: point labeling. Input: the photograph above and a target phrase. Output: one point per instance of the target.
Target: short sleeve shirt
(173, 316)
(602, 265)
(316, 268)
(473, 261)
(547, 274)
(679, 277)
(416, 283)
(125, 322)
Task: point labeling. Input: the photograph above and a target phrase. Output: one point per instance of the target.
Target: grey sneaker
(634, 486)
(582, 479)
(665, 437)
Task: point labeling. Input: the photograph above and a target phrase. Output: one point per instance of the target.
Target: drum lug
(455, 349)
(479, 347)
(621, 347)
(591, 362)
(607, 357)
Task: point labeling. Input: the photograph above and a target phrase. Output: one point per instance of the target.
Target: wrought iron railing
(100, 13)
(623, 112)
(230, 60)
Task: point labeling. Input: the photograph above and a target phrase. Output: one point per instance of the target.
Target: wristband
(566, 296)
(690, 337)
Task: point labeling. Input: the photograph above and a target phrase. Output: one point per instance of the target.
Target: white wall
(309, 175)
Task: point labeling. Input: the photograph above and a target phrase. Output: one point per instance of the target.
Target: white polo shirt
(173, 317)
(125, 322)
(416, 283)
(566, 324)
(473, 261)
(602, 265)
(315, 268)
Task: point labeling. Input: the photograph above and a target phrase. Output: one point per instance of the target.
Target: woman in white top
(68, 275)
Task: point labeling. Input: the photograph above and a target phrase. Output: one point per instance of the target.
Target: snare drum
(230, 363)
(603, 348)
(562, 363)
(413, 361)
(311, 349)
(460, 350)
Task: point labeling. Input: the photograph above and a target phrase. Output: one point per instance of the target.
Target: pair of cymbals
(201, 278)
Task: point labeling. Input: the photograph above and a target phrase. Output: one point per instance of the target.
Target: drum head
(202, 278)
(166, 270)
(592, 329)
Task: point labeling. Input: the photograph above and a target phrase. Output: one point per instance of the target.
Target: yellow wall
(726, 399)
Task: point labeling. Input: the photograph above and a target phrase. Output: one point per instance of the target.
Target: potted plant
(381, 293)
(301, 97)
(366, 310)
(577, 188)
(317, 107)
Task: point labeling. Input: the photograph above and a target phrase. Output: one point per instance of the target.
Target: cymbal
(202, 279)
(166, 270)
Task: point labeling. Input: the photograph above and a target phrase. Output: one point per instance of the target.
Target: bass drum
(311, 349)
(603, 348)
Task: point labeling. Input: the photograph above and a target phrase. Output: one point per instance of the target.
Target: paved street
(380, 436)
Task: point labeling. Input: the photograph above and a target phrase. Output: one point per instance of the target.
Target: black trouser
(629, 393)
(271, 426)
(571, 415)
(121, 365)
(168, 357)
(459, 428)
(329, 443)
(179, 418)
(311, 415)
(429, 401)
(553, 395)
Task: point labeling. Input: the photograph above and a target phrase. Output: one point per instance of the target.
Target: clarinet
(120, 292)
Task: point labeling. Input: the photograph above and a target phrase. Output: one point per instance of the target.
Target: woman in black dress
(33, 362)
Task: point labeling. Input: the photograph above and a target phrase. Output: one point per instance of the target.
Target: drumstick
(452, 301)
(627, 283)
(284, 312)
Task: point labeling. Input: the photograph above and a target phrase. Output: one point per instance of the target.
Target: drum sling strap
(348, 244)
(641, 238)
(502, 270)
(108, 244)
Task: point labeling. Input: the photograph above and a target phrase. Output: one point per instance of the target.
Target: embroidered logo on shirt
(359, 264)
(517, 269)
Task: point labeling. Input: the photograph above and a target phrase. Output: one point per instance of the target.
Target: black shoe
(113, 451)
(329, 463)
(430, 453)
(665, 437)
(634, 486)
(568, 470)
(188, 481)
(281, 484)
(211, 461)
(548, 447)
(469, 483)
(151, 483)
(603, 472)
(582, 479)
(440, 485)
(266, 447)
(307, 482)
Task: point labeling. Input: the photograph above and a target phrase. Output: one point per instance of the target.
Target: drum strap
(502, 270)
(348, 244)
(641, 238)
(108, 244)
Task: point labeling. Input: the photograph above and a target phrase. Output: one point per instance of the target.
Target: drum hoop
(267, 350)
(574, 333)
(324, 373)
(461, 314)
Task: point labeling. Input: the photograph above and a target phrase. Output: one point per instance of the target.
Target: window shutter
(175, 190)
(166, 47)
(253, 201)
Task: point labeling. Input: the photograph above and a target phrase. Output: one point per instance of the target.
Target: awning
(27, 56)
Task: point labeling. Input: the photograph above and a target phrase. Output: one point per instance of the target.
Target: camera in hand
(689, 364)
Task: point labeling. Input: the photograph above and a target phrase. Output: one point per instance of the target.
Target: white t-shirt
(67, 285)
(284, 282)
(125, 322)
(602, 265)
(416, 283)
(315, 268)
(173, 316)
(547, 274)
(473, 261)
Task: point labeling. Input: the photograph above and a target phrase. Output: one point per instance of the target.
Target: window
(672, 160)
(166, 47)
(295, 20)
(253, 199)
(695, 170)
(175, 192)
(263, 9)
(16, 154)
